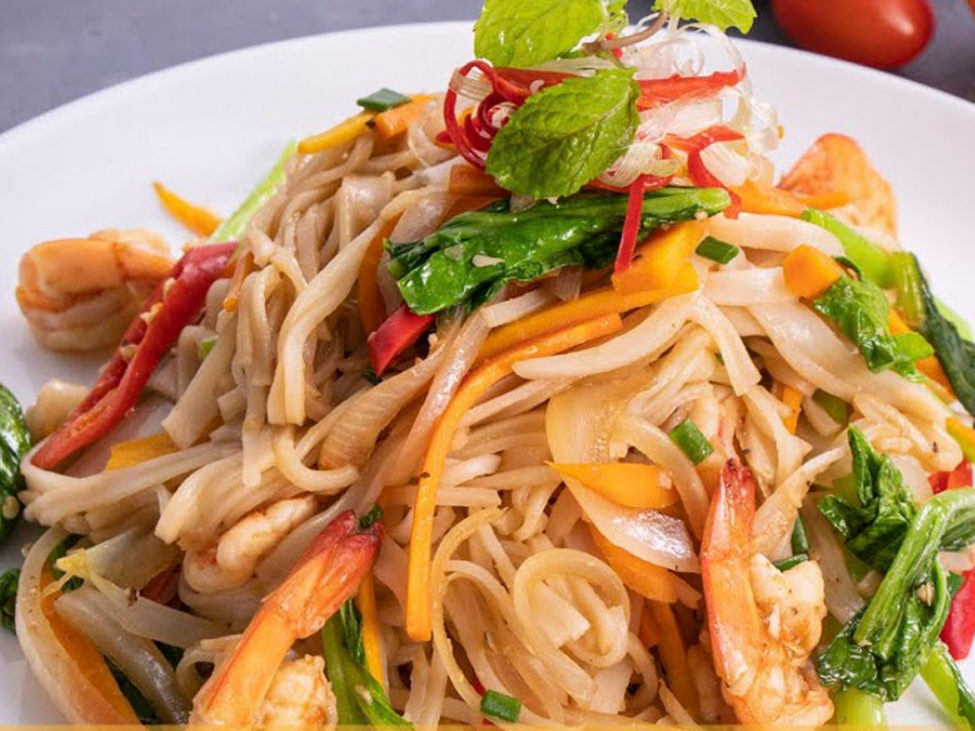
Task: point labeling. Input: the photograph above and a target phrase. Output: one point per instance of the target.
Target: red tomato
(879, 33)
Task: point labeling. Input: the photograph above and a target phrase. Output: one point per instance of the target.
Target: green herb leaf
(860, 310)
(474, 254)
(722, 13)
(837, 408)
(566, 135)
(8, 597)
(14, 444)
(527, 32)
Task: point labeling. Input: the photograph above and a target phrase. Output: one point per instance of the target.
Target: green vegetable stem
(234, 225)
(474, 254)
(14, 444)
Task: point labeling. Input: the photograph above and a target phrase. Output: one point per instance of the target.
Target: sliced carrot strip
(468, 180)
(930, 366)
(825, 201)
(197, 219)
(793, 399)
(673, 656)
(372, 309)
(137, 451)
(649, 631)
(658, 262)
(646, 579)
(418, 621)
(396, 120)
(809, 272)
(765, 199)
(595, 304)
(632, 485)
(343, 132)
(371, 634)
(243, 266)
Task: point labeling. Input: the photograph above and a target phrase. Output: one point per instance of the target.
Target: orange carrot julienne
(467, 180)
(632, 485)
(242, 268)
(418, 614)
(372, 310)
(673, 656)
(594, 304)
(396, 120)
(809, 272)
(825, 201)
(197, 219)
(371, 637)
(765, 199)
(930, 366)
(646, 579)
(659, 261)
(793, 399)
(649, 631)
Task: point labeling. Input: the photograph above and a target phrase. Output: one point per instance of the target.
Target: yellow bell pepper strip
(395, 121)
(809, 272)
(930, 366)
(341, 133)
(658, 262)
(243, 266)
(418, 620)
(137, 451)
(197, 219)
(372, 309)
(646, 579)
(372, 641)
(765, 199)
(649, 630)
(85, 654)
(964, 435)
(791, 398)
(632, 485)
(595, 304)
(673, 656)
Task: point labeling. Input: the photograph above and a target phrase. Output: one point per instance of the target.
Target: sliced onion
(139, 659)
(842, 598)
(579, 424)
(747, 287)
(772, 233)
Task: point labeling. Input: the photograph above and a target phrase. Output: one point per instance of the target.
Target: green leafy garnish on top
(14, 444)
(471, 256)
(722, 13)
(566, 135)
(528, 32)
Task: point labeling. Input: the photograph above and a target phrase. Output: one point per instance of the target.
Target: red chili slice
(400, 330)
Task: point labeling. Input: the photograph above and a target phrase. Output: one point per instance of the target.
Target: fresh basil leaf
(566, 135)
(722, 13)
(859, 308)
(527, 32)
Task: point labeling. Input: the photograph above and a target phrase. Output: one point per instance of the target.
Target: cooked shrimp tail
(323, 579)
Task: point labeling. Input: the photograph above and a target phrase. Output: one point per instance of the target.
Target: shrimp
(81, 294)
(253, 685)
(768, 678)
(230, 563)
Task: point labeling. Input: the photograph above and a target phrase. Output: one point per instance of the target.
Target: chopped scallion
(205, 346)
(691, 441)
(382, 100)
(787, 563)
(717, 250)
(837, 408)
(800, 542)
(500, 706)
(370, 375)
(375, 513)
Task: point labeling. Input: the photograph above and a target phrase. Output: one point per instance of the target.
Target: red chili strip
(400, 330)
(654, 92)
(174, 305)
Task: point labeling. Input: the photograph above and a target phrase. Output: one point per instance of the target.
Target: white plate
(210, 128)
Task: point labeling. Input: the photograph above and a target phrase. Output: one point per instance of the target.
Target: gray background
(53, 51)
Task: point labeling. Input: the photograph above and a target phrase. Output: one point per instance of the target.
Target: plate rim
(37, 124)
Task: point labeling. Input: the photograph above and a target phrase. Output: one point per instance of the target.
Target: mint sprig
(527, 32)
(566, 135)
(722, 13)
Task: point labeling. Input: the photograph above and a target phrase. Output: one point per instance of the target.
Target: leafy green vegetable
(375, 514)
(474, 254)
(722, 13)
(233, 226)
(717, 250)
(956, 354)
(565, 135)
(869, 258)
(8, 597)
(856, 708)
(382, 100)
(691, 441)
(874, 523)
(859, 308)
(359, 697)
(787, 563)
(837, 408)
(946, 682)
(527, 32)
(800, 541)
(59, 552)
(14, 444)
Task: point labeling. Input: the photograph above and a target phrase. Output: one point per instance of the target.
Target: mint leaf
(527, 32)
(722, 13)
(566, 135)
